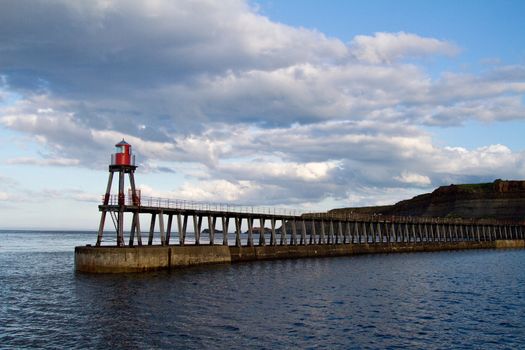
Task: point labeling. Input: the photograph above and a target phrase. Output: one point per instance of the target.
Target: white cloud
(262, 170)
(413, 178)
(485, 160)
(44, 162)
(390, 47)
(216, 191)
(220, 191)
(87, 197)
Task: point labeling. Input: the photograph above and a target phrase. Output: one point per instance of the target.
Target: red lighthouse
(123, 154)
(122, 162)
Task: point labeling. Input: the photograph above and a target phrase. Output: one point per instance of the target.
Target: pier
(214, 223)
(223, 233)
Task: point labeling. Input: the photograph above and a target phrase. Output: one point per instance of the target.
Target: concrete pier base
(144, 258)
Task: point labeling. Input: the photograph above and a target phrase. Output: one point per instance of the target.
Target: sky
(304, 104)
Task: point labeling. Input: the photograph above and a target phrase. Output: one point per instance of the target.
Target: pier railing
(407, 219)
(173, 203)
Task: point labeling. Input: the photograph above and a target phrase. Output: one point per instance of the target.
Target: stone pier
(146, 258)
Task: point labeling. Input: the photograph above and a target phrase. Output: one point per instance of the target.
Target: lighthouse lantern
(122, 155)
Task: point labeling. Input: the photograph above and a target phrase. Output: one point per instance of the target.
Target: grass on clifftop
(476, 188)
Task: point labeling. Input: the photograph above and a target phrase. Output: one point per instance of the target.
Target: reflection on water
(466, 299)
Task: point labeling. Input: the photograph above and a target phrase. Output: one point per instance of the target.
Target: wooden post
(101, 227)
(151, 228)
(273, 239)
(225, 224)
(303, 233)
(342, 233)
(347, 234)
(283, 232)
(294, 232)
(182, 224)
(379, 232)
(103, 215)
(135, 229)
(211, 225)
(250, 231)
(392, 231)
(313, 233)
(161, 228)
(197, 224)
(168, 231)
(132, 231)
(262, 239)
(238, 223)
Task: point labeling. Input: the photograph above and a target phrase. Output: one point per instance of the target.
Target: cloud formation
(391, 47)
(266, 112)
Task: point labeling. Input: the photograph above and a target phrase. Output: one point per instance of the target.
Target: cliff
(501, 200)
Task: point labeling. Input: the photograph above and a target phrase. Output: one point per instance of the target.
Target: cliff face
(502, 200)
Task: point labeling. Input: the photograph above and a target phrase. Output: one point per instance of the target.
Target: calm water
(469, 299)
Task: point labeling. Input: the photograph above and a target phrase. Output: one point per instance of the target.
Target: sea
(440, 300)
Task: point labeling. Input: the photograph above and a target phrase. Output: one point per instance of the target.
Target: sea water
(440, 300)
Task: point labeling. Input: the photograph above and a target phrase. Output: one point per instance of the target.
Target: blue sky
(488, 32)
(300, 104)
(483, 28)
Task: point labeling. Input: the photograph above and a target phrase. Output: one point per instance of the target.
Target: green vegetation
(476, 188)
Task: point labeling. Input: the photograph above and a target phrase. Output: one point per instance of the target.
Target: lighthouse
(122, 155)
(122, 163)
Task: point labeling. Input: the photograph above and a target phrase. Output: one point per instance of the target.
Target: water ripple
(459, 300)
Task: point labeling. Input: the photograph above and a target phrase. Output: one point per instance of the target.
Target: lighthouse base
(144, 258)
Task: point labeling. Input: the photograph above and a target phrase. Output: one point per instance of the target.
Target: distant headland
(499, 200)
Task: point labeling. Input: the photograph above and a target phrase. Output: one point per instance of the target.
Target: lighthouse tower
(122, 162)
